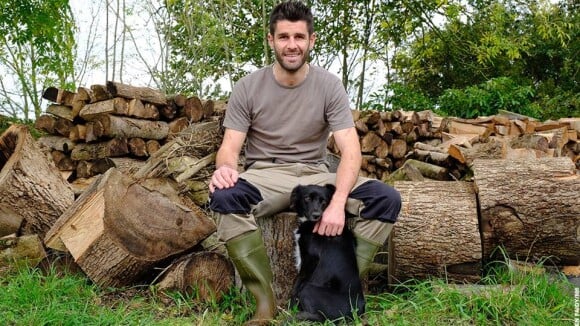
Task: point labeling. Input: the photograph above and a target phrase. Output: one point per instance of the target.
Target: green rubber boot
(365, 254)
(248, 254)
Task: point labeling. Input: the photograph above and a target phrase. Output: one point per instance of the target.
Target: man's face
(291, 44)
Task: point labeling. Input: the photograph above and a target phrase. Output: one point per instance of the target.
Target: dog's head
(310, 201)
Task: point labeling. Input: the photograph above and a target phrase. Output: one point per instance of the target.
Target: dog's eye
(307, 199)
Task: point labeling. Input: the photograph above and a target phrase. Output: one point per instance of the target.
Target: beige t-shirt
(288, 124)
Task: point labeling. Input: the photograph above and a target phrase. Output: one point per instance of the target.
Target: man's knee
(381, 201)
(238, 199)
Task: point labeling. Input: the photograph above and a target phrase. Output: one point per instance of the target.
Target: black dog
(328, 285)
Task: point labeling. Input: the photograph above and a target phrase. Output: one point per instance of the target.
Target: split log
(46, 123)
(118, 231)
(58, 95)
(116, 105)
(530, 208)
(193, 109)
(33, 194)
(63, 126)
(59, 143)
(87, 169)
(206, 276)
(60, 111)
(78, 132)
(145, 94)
(137, 147)
(100, 93)
(437, 233)
(62, 161)
(144, 111)
(116, 126)
(26, 250)
(111, 148)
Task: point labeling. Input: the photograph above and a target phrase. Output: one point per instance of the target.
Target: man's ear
(311, 41)
(270, 38)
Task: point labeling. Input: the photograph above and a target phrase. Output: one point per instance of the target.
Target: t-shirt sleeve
(338, 111)
(238, 112)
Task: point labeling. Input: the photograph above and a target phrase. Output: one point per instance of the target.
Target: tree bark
(437, 233)
(32, 190)
(530, 208)
(145, 94)
(115, 126)
(204, 275)
(278, 234)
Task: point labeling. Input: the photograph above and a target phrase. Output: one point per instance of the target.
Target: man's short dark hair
(293, 11)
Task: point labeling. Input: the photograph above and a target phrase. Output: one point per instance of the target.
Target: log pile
(119, 125)
(449, 146)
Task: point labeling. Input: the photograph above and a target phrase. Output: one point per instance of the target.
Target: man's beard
(294, 68)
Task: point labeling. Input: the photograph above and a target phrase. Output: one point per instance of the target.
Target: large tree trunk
(531, 208)
(33, 193)
(118, 230)
(437, 233)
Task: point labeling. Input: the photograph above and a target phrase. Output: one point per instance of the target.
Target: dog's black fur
(328, 285)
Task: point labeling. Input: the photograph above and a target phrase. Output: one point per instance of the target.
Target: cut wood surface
(530, 207)
(116, 239)
(437, 233)
(116, 105)
(32, 192)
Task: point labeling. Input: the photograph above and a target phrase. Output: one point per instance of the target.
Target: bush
(488, 98)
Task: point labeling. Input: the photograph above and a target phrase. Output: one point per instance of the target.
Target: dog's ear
(330, 188)
(295, 197)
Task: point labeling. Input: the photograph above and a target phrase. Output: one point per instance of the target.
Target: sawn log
(119, 230)
(33, 193)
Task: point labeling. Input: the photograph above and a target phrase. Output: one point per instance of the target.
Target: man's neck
(288, 78)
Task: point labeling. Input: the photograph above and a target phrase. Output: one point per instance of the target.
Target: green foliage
(535, 44)
(488, 98)
(36, 49)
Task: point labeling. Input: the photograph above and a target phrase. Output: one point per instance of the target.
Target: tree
(36, 51)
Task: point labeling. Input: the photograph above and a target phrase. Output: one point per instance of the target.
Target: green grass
(31, 297)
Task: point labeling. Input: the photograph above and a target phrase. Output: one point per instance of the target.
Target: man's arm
(226, 162)
(333, 218)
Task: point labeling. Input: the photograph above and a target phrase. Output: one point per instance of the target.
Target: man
(285, 113)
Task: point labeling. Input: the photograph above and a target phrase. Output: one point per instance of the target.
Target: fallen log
(206, 276)
(118, 230)
(33, 193)
(530, 208)
(437, 233)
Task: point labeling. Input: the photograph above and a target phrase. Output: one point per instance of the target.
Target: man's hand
(332, 221)
(223, 177)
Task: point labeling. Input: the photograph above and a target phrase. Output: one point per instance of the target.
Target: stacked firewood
(117, 125)
(397, 144)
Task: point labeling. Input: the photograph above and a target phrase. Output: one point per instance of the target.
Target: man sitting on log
(285, 113)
